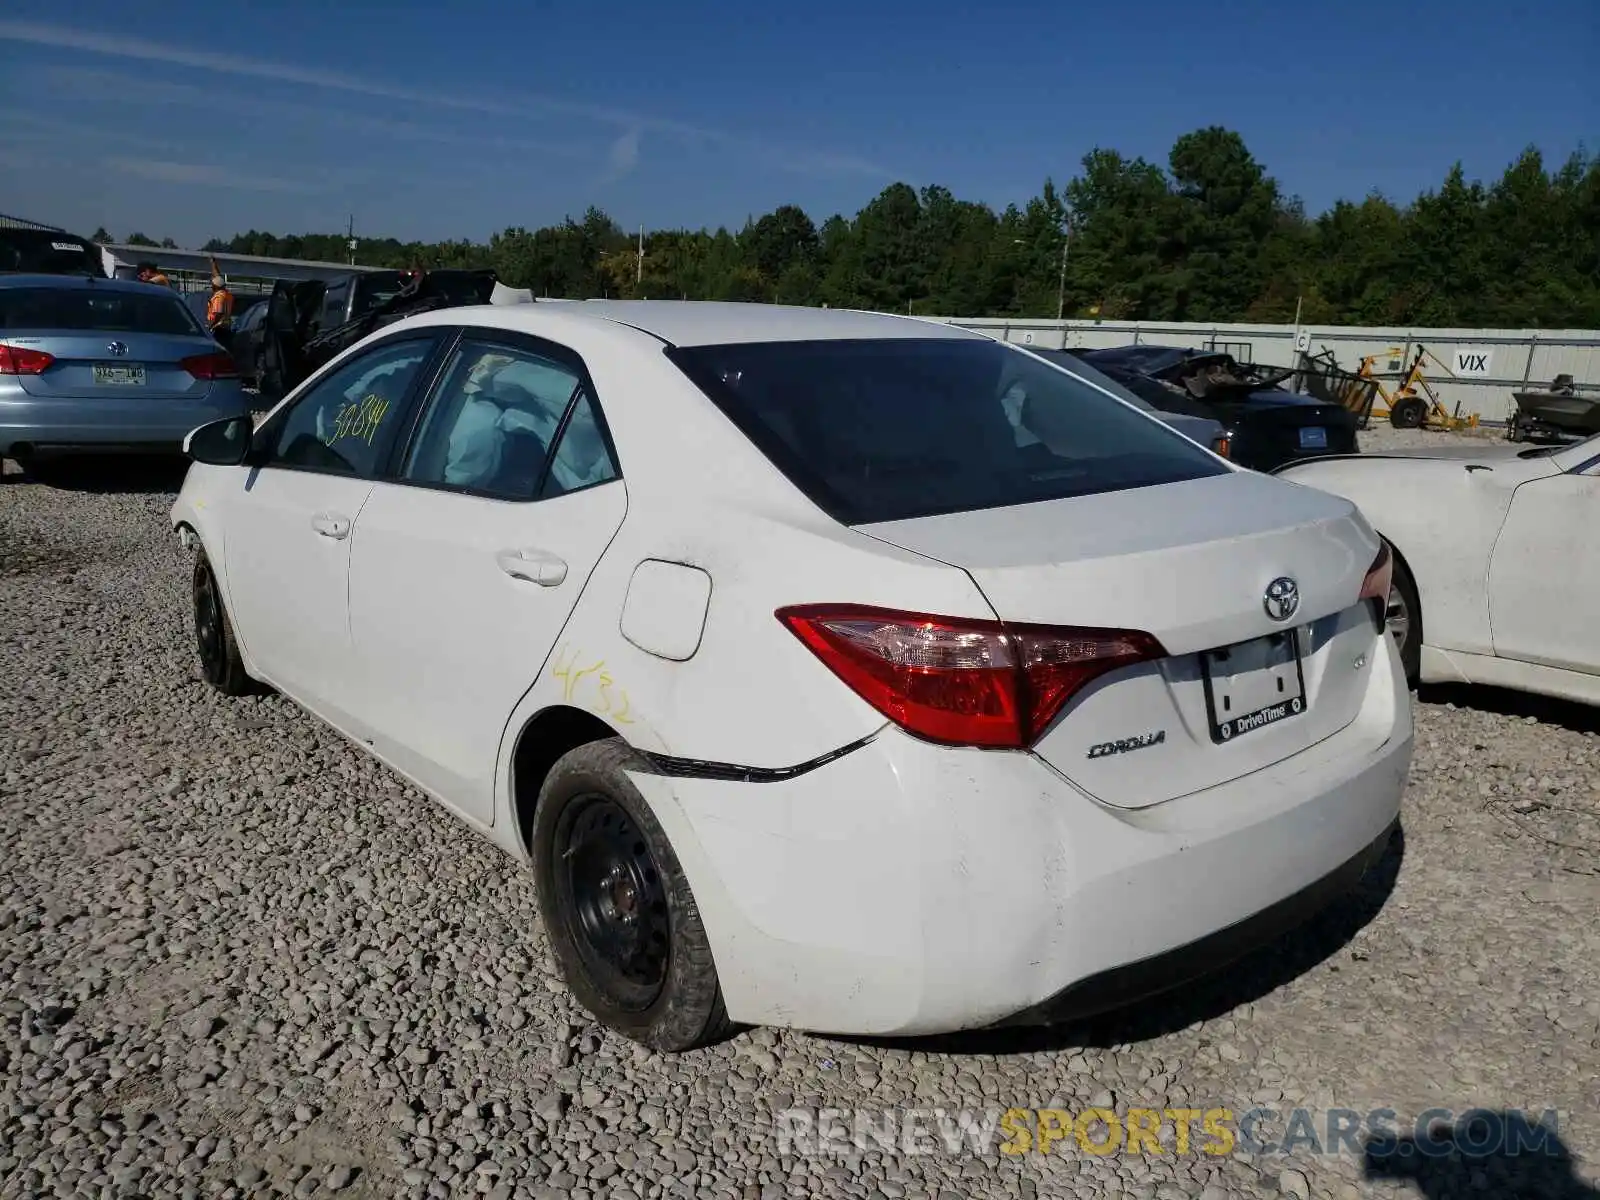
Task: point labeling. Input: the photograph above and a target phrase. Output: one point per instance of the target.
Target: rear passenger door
(467, 562)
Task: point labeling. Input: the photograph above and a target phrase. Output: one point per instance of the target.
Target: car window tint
(581, 459)
(889, 429)
(489, 426)
(345, 424)
(83, 309)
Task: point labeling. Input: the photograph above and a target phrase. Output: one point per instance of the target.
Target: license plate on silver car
(118, 375)
(1313, 437)
(1253, 684)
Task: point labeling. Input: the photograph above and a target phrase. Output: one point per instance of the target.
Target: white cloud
(207, 175)
(624, 156)
(511, 105)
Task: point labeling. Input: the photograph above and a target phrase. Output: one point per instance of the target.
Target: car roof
(709, 323)
(1142, 356)
(78, 282)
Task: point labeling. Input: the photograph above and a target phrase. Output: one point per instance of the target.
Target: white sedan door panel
(1544, 576)
(288, 562)
(455, 603)
(464, 571)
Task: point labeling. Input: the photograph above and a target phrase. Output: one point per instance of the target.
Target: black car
(49, 252)
(1268, 425)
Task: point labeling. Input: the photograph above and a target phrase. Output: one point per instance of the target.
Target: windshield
(32, 251)
(88, 309)
(885, 430)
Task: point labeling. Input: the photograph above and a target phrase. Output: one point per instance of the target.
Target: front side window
(890, 429)
(490, 426)
(345, 423)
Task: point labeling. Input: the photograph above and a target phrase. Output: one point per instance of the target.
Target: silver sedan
(99, 365)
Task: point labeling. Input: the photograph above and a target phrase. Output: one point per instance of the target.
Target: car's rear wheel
(622, 921)
(220, 662)
(1404, 620)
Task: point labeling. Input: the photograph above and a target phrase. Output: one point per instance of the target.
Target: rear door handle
(535, 566)
(331, 525)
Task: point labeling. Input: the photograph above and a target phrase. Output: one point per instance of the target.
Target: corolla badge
(1282, 598)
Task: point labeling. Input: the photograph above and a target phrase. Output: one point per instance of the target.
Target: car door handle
(331, 525)
(535, 566)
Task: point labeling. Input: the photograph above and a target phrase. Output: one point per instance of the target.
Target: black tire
(1404, 589)
(622, 921)
(220, 663)
(1408, 413)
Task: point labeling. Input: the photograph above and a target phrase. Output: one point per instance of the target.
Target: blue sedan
(102, 365)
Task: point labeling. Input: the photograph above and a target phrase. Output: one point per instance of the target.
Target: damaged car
(1267, 424)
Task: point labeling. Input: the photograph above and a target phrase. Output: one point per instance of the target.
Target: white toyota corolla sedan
(831, 670)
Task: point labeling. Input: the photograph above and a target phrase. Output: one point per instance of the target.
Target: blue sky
(191, 120)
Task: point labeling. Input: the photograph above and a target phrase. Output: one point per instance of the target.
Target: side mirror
(224, 443)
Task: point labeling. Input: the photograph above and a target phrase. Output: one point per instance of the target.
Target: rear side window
(886, 430)
(98, 310)
(44, 252)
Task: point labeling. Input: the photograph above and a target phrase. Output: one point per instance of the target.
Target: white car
(1497, 559)
(831, 670)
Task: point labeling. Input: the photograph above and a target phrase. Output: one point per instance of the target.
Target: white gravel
(239, 959)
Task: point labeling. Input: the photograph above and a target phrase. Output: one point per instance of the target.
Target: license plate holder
(1313, 437)
(119, 374)
(1253, 684)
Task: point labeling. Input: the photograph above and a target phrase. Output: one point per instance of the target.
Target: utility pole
(350, 239)
(639, 275)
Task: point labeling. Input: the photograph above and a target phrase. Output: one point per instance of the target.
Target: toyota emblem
(1282, 598)
(118, 348)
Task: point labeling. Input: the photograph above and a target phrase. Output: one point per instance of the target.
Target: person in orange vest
(219, 309)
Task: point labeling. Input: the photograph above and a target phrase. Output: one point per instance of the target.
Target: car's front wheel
(220, 662)
(1404, 620)
(622, 921)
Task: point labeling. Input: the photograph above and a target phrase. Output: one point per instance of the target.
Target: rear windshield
(886, 430)
(94, 310)
(33, 251)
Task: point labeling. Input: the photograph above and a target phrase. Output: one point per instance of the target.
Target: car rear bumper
(36, 424)
(906, 888)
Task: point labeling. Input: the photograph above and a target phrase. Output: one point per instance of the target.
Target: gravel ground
(237, 958)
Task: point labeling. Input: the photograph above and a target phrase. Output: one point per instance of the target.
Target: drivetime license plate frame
(1313, 437)
(1253, 684)
(119, 374)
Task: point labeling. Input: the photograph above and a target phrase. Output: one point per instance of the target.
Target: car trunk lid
(1190, 563)
(109, 365)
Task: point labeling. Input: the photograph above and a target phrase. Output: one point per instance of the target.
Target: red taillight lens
(1222, 446)
(961, 682)
(211, 366)
(19, 360)
(1375, 587)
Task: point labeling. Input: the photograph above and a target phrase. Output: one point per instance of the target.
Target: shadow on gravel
(1240, 982)
(1486, 1153)
(118, 474)
(1580, 718)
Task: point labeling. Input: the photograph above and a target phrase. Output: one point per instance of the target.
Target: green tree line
(1211, 236)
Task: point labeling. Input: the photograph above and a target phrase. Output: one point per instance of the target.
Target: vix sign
(1473, 363)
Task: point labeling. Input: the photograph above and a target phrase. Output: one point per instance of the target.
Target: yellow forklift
(1405, 406)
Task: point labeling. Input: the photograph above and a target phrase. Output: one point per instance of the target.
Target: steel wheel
(611, 888)
(208, 628)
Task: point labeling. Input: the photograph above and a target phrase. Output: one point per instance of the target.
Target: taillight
(19, 360)
(1222, 445)
(1375, 587)
(211, 366)
(961, 682)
